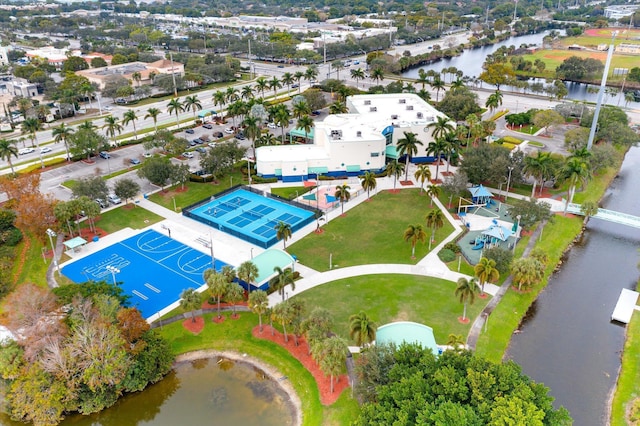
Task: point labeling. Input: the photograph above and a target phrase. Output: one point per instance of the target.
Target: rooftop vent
(359, 134)
(419, 115)
(409, 107)
(336, 134)
(403, 101)
(394, 117)
(367, 102)
(373, 109)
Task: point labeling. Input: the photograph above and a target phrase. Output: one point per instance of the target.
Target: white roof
(399, 109)
(349, 125)
(290, 153)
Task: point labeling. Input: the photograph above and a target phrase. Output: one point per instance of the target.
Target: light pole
(603, 85)
(175, 209)
(251, 253)
(52, 234)
(113, 271)
(506, 197)
(213, 258)
(515, 239)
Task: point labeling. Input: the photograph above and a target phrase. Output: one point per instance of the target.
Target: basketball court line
(140, 295)
(152, 288)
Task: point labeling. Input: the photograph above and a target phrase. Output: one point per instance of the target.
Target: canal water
(471, 60)
(567, 340)
(201, 392)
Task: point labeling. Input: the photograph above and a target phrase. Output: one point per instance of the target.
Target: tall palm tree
(112, 126)
(342, 193)
(258, 304)
(175, 107)
(190, 301)
(137, 77)
(281, 118)
(527, 271)
(368, 182)
(357, 74)
(423, 78)
(441, 127)
(466, 292)
(408, 146)
(298, 76)
(87, 125)
(193, 104)
(283, 232)
(438, 85)
(219, 98)
(61, 133)
(247, 92)
(338, 108)
(435, 220)
(486, 271)
(362, 329)
(471, 120)
(422, 174)
(493, 102)
(300, 108)
(153, 113)
(589, 209)
(274, 84)
(395, 169)
(414, 234)
(283, 278)
(218, 286)
(287, 79)
(231, 94)
(234, 295)
(131, 117)
(262, 84)
(31, 126)
(283, 313)
(424, 95)
(311, 73)
(433, 191)
(337, 65)
(457, 85)
(8, 150)
(305, 123)
(436, 148)
(377, 75)
(248, 272)
(538, 167)
(331, 354)
(576, 170)
(452, 144)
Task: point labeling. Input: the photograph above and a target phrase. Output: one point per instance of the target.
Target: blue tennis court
(154, 269)
(249, 216)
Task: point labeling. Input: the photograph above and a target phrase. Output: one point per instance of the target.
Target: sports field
(152, 268)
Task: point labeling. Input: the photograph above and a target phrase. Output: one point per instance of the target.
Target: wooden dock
(625, 306)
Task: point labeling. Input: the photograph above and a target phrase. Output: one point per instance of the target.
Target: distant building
(620, 11)
(55, 57)
(19, 87)
(348, 144)
(101, 75)
(4, 57)
(88, 57)
(627, 48)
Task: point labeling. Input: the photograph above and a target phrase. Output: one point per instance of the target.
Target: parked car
(187, 154)
(25, 151)
(241, 136)
(228, 130)
(147, 155)
(134, 161)
(295, 85)
(201, 150)
(102, 203)
(190, 131)
(193, 143)
(212, 144)
(45, 149)
(208, 126)
(198, 141)
(272, 125)
(218, 134)
(105, 155)
(114, 199)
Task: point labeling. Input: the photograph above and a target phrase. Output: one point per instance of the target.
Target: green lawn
(370, 233)
(194, 191)
(628, 387)
(125, 216)
(290, 192)
(390, 297)
(235, 335)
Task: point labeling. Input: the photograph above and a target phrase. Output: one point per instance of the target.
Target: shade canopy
(75, 242)
(498, 231)
(407, 332)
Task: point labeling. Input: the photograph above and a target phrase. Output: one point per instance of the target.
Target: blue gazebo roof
(480, 191)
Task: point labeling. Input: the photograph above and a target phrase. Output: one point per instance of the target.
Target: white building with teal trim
(349, 144)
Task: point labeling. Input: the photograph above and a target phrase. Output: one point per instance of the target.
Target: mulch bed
(463, 321)
(194, 327)
(446, 173)
(301, 353)
(406, 183)
(436, 181)
(88, 235)
(218, 320)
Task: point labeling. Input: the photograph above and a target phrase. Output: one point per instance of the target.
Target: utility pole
(173, 76)
(250, 63)
(603, 85)
(515, 12)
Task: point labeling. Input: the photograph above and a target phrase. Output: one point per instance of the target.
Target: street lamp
(52, 234)
(515, 239)
(252, 253)
(506, 197)
(113, 271)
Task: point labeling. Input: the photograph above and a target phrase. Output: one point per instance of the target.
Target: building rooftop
(291, 153)
(396, 109)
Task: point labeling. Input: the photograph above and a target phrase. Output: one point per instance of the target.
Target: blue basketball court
(154, 269)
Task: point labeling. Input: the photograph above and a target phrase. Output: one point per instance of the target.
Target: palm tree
(451, 144)
(252, 131)
(112, 126)
(31, 126)
(283, 232)
(175, 106)
(190, 301)
(395, 169)
(235, 294)
(153, 113)
(424, 95)
(331, 354)
(231, 94)
(305, 123)
(433, 191)
(287, 80)
(61, 133)
(281, 118)
(493, 102)
(414, 233)
(282, 278)
(300, 108)
(219, 98)
(283, 313)
(408, 146)
(527, 271)
(87, 125)
(422, 174)
(274, 84)
(362, 329)
(455, 341)
(311, 73)
(193, 104)
(377, 74)
(338, 108)
(137, 77)
(486, 270)
(576, 170)
(368, 182)
(436, 148)
(131, 117)
(342, 193)
(262, 84)
(472, 120)
(266, 139)
(423, 78)
(337, 65)
(588, 209)
(441, 127)
(247, 92)
(298, 76)
(466, 292)
(357, 74)
(248, 272)
(435, 220)
(8, 150)
(218, 286)
(457, 85)
(258, 304)
(438, 85)
(538, 167)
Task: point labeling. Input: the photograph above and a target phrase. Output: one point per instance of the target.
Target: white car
(272, 125)
(107, 108)
(26, 151)
(114, 199)
(45, 149)
(212, 144)
(229, 130)
(187, 154)
(147, 155)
